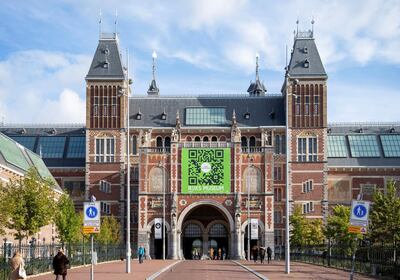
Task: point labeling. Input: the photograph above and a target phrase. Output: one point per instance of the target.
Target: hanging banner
(206, 170)
(158, 228)
(254, 229)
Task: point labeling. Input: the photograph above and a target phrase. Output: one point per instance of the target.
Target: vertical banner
(254, 229)
(158, 228)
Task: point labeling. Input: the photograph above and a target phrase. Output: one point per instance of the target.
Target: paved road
(206, 270)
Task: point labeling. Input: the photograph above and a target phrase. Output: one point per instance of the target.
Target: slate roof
(19, 159)
(264, 110)
(16, 132)
(106, 63)
(257, 88)
(304, 48)
(346, 129)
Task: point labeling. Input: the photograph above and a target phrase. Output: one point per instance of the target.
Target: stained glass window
(205, 116)
(51, 146)
(363, 146)
(337, 146)
(76, 147)
(391, 145)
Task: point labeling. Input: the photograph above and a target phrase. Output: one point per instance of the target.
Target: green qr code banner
(206, 170)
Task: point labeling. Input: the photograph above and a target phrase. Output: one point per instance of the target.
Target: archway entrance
(156, 245)
(205, 234)
(253, 242)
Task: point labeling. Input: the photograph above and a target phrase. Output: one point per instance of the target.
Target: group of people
(17, 266)
(217, 254)
(260, 252)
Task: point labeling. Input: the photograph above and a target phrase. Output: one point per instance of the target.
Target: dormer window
(105, 65)
(163, 116)
(139, 116)
(106, 51)
(392, 130)
(360, 130)
(306, 63)
(247, 116)
(305, 50)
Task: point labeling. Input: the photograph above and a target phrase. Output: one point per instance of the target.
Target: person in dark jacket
(60, 263)
(269, 254)
(254, 250)
(262, 254)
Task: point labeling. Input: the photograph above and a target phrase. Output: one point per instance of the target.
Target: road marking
(155, 275)
(252, 271)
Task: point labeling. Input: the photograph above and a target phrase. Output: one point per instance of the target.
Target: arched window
(197, 139)
(244, 141)
(222, 138)
(193, 230)
(159, 142)
(167, 142)
(188, 139)
(252, 177)
(217, 230)
(205, 139)
(214, 139)
(252, 141)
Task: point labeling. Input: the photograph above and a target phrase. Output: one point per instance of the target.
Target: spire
(153, 89)
(115, 22)
(234, 117)
(297, 26)
(257, 88)
(312, 26)
(178, 120)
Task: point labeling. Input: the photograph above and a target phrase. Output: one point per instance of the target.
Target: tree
(4, 209)
(315, 232)
(109, 231)
(31, 204)
(298, 230)
(67, 220)
(385, 216)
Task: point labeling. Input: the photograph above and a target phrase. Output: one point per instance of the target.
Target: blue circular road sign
(91, 212)
(360, 211)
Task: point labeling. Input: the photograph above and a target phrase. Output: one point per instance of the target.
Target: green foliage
(4, 208)
(305, 231)
(31, 204)
(67, 220)
(109, 231)
(385, 216)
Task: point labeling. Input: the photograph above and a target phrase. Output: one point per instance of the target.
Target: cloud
(41, 86)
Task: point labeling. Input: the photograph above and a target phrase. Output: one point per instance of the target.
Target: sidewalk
(113, 271)
(276, 270)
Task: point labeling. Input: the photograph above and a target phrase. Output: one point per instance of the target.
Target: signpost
(157, 228)
(358, 223)
(254, 229)
(91, 225)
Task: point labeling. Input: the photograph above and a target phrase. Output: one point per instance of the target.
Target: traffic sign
(89, 229)
(359, 213)
(357, 229)
(91, 212)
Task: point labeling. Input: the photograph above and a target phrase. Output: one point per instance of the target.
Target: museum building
(213, 163)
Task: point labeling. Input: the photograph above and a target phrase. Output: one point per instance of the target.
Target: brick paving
(276, 270)
(206, 270)
(113, 271)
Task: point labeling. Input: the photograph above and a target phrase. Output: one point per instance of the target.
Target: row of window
(105, 110)
(105, 186)
(307, 105)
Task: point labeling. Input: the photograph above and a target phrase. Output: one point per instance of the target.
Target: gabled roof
(304, 49)
(264, 110)
(257, 88)
(106, 63)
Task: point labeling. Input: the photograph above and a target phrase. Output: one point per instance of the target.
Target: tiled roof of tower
(263, 110)
(305, 59)
(61, 146)
(19, 159)
(364, 145)
(106, 61)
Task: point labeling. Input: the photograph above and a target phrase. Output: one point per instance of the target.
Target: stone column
(174, 238)
(236, 240)
(205, 246)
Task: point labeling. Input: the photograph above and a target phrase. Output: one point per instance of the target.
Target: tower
(306, 89)
(257, 88)
(107, 92)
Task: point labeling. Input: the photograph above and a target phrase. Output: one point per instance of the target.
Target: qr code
(215, 176)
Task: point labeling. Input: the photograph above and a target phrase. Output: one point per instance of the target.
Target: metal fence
(39, 258)
(380, 261)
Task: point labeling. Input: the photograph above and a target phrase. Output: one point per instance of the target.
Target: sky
(203, 47)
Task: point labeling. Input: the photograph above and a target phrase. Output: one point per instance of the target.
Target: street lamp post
(287, 212)
(161, 164)
(250, 159)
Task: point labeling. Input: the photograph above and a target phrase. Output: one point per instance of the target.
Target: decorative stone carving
(228, 202)
(174, 201)
(235, 131)
(237, 201)
(175, 135)
(145, 138)
(182, 202)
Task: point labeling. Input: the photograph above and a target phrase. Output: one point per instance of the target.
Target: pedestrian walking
(269, 254)
(141, 253)
(212, 253)
(223, 253)
(220, 254)
(17, 267)
(60, 264)
(255, 253)
(262, 254)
